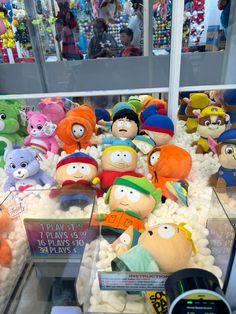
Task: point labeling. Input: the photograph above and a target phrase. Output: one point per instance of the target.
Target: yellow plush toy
(8, 36)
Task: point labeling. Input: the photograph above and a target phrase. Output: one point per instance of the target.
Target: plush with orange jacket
(5, 226)
(76, 129)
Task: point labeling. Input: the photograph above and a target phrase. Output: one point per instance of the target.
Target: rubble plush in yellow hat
(199, 100)
(212, 110)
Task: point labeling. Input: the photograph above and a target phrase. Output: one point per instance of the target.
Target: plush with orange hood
(168, 163)
(76, 129)
(5, 226)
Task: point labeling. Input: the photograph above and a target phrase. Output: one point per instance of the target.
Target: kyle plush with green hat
(130, 199)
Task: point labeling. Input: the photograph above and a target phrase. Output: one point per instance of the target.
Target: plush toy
(74, 174)
(229, 105)
(117, 161)
(144, 143)
(226, 151)
(53, 109)
(76, 129)
(212, 121)
(166, 247)
(145, 99)
(5, 226)
(41, 133)
(217, 97)
(169, 166)
(130, 200)
(23, 170)
(136, 102)
(2, 26)
(8, 36)
(12, 129)
(182, 106)
(149, 101)
(196, 101)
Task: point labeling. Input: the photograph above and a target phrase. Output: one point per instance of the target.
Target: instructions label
(132, 281)
(57, 239)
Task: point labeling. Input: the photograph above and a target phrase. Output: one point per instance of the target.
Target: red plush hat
(77, 157)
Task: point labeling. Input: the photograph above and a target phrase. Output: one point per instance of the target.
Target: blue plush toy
(229, 105)
(23, 170)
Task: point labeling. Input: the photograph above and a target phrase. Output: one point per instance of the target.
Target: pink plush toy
(53, 109)
(41, 133)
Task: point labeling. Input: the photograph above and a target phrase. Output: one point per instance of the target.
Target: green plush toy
(12, 128)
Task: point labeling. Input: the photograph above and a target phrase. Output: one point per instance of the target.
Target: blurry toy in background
(144, 143)
(2, 26)
(149, 101)
(217, 97)
(74, 174)
(76, 129)
(103, 120)
(5, 226)
(136, 102)
(130, 200)
(117, 161)
(169, 167)
(229, 105)
(182, 106)
(196, 101)
(53, 109)
(212, 122)
(226, 152)
(8, 36)
(21, 32)
(23, 170)
(167, 248)
(41, 132)
(144, 100)
(12, 125)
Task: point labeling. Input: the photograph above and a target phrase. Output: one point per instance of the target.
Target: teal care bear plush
(12, 128)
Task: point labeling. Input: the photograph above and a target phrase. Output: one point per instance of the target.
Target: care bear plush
(53, 109)
(23, 170)
(5, 226)
(41, 133)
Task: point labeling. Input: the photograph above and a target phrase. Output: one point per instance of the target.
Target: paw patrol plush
(41, 133)
(229, 105)
(166, 247)
(77, 128)
(226, 151)
(170, 163)
(117, 161)
(23, 170)
(74, 174)
(5, 226)
(212, 121)
(130, 200)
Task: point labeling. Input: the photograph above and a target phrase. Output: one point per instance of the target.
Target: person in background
(136, 24)
(224, 6)
(126, 37)
(102, 44)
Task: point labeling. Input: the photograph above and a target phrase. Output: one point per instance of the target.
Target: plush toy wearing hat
(130, 200)
(76, 129)
(169, 166)
(117, 161)
(183, 105)
(229, 105)
(212, 122)
(136, 102)
(74, 174)
(144, 143)
(166, 247)
(226, 151)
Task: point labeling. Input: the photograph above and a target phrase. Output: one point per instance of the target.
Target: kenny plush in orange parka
(76, 129)
(5, 226)
(169, 166)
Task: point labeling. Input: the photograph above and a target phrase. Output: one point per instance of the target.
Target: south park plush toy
(212, 122)
(226, 151)
(76, 129)
(144, 143)
(117, 161)
(166, 247)
(74, 174)
(136, 102)
(5, 226)
(130, 200)
(182, 106)
(229, 105)
(169, 166)
(197, 101)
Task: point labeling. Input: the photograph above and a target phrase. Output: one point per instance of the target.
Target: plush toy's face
(21, 163)
(78, 131)
(119, 160)
(9, 119)
(168, 245)
(126, 198)
(159, 138)
(227, 157)
(212, 125)
(124, 128)
(76, 171)
(36, 124)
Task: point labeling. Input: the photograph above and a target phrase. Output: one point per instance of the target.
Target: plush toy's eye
(125, 239)
(127, 124)
(72, 168)
(166, 231)
(154, 158)
(84, 168)
(120, 123)
(207, 122)
(133, 195)
(32, 126)
(12, 165)
(126, 156)
(229, 149)
(24, 164)
(39, 127)
(2, 116)
(120, 192)
(116, 156)
(218, 122)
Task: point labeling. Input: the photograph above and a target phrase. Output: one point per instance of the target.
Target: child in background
(126, 37)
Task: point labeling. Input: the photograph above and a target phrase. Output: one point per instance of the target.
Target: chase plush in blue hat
(226, 151)
(230, 105)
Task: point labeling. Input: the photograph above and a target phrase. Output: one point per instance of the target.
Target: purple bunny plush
(23, 170)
